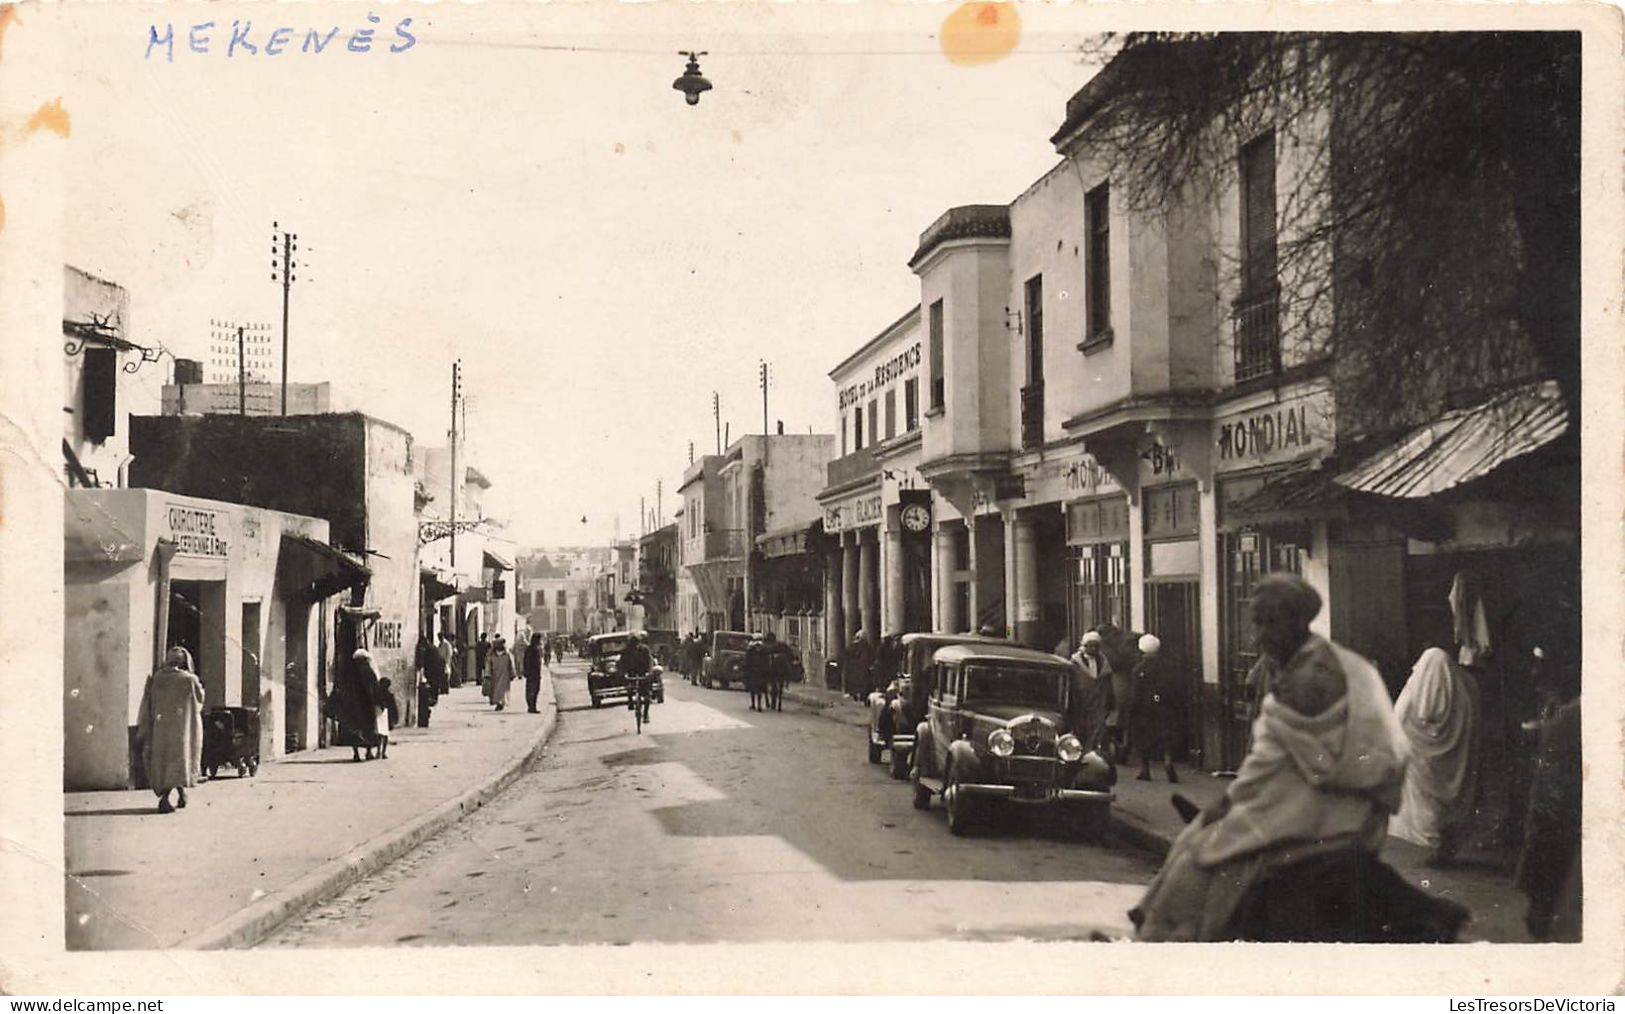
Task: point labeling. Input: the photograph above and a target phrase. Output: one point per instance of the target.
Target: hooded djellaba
(1322, 777)
(170, 729)
(353, 704)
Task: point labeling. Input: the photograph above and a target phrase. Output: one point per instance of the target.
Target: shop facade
(250, 592)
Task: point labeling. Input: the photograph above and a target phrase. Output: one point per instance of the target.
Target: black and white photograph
(944, 496)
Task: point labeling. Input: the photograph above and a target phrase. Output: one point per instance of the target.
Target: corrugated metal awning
(332, 569)
(496, 561)
(1464, 445)
(1301, 491)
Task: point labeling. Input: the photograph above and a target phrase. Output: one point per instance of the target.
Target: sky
(523, 189)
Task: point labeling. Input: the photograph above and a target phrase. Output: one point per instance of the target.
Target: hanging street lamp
(691, 84)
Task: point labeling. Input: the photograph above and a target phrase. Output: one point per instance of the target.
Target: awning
(434, 587)
(497, 562)
(787, 541)
(1464, 445)
(332, 570)
(1301, 491)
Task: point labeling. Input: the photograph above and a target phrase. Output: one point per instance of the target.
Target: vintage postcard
(810, 498)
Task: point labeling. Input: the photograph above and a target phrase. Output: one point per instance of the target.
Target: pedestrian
(534, 660)
(169, 729)
(755, 666)
(499, 665)
(855, 671)
(1091, 699)
(780, 660)
(1121, 650)
(1326, 768)
(1153, 712)
(447, 652)
(1439, 711)
(427, 699)
(482, 651)
(386, 714)
(352, 705)
(888, 656)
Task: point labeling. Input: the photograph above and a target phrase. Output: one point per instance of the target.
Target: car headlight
(1069, 749)
(1000, 743)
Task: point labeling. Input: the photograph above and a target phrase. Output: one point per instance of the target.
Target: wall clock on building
(916, 517)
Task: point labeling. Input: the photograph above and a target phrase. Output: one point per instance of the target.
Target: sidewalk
(247, 854)
(1142, 817)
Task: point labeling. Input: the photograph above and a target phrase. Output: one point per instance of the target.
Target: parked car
(996, 732)
(725, 659)
(896, 710)
(604, 679)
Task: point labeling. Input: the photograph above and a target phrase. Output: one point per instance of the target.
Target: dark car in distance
(604, 679)
(725, 659)
(897, 709)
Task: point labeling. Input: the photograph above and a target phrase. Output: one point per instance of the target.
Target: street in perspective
(712, 515)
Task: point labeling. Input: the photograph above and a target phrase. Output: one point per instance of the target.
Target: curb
(250, 925)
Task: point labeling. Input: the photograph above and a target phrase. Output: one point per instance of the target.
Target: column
(1011, 598)
(834, 631)
(851, 610)
(896, 580)
(972, 552)
(1024, 546)
(942, 577)
(869, 581)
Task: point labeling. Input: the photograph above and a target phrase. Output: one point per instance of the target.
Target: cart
(231, 738)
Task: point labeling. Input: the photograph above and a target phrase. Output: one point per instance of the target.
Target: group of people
(768, 665)
(1129, 707)
(498, 669)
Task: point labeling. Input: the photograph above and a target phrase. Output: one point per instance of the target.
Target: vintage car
(996, 731)
(896, 710)
(724, 659)
(604, 679)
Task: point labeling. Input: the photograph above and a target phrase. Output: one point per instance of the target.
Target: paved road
(719, 824)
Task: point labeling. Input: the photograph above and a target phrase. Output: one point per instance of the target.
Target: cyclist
(635, 664)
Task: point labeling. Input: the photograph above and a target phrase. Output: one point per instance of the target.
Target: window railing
(725, 543)
(1257, 333)
(1032, 416)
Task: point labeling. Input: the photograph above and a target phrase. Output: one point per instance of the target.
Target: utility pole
(716, 415)
(456, 391)
(764, 396)
(242, 376)
(284, 268)
(691, 452)
(643, 516)
(660, 515)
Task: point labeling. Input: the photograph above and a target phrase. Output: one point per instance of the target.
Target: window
(100, 393)
(891, 413)
(560, 598)
(843, 436)
(874, 423)
(911, 404)
(1258, 215)
(1035, 329)
(1098, 280)
(857, 428)
(938, 394)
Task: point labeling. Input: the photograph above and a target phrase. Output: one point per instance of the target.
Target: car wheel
(899, 764)
(958, 805)
(253, 767)
(660, 698)
(875, 749)
(922, 795)
(597, 702)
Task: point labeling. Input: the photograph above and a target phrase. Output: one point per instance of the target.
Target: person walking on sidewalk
(500, 666)
(1439, 711)
(482, 651)
(1090, 700)
(170, 729)
(448, 654)
(860, 659)
(535, 658)
(1152, 714)
(387, 714)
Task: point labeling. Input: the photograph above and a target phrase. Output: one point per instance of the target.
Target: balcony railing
(725, 543)
(1257, 323)
(859, 464)
(1032, 416)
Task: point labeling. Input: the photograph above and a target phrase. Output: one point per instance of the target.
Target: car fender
(963, 760)
(922, 748)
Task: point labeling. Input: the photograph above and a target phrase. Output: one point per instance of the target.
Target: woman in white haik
(1439, 711)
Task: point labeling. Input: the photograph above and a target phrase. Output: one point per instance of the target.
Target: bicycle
(637, 698)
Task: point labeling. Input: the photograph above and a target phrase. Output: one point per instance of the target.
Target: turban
(178, 658)
(1290, 595)
(362, 653)
(1150, 644)
(1092, 637)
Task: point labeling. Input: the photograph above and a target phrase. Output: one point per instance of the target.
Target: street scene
(1150, 513)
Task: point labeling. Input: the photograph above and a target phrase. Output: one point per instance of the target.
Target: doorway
(1173, 613)
(250, 645)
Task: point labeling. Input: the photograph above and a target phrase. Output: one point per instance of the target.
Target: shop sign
(885, 374)
(1062, 480)
(386, 634)
(1276, 433)
(195, 531)
(858, 513)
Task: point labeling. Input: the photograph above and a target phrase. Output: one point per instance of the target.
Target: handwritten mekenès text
(206, 37)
